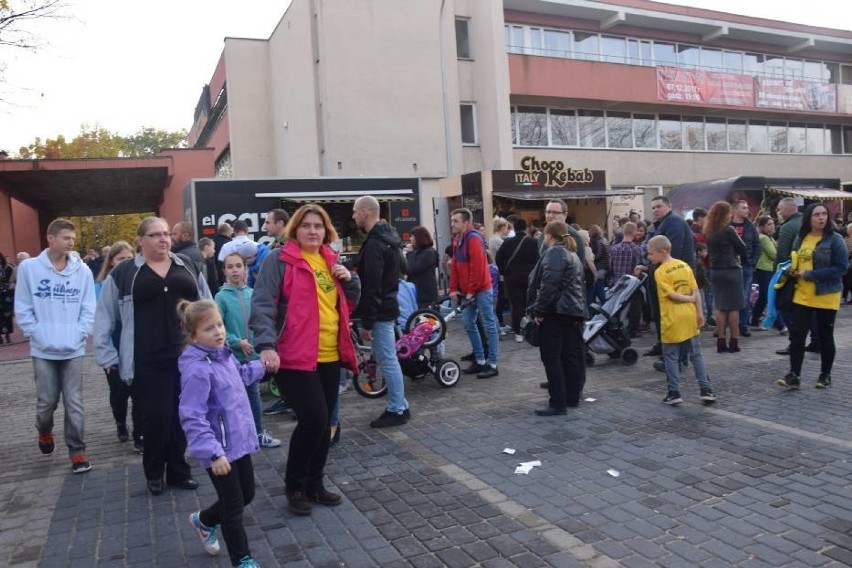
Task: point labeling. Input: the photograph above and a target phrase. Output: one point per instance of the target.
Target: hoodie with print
(55, 310)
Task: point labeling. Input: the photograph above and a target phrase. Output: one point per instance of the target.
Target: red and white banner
(705, 87)
(796, 94)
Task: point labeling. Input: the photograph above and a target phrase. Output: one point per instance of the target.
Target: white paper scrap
(535, 463)
(590, 399)
(523, 469)
(613, 472)
(509, 451)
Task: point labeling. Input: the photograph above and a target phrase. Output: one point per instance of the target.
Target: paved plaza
(762, 479)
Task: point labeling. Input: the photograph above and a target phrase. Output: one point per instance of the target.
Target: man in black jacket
(378, 269)
(748, 233)
(183, 243)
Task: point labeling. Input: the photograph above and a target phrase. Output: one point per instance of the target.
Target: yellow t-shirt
(329, 319)
(805, 294)
(678, 320)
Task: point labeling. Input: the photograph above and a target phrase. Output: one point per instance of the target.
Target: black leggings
(516, 290)
(799, 325)
(119, 393)
(313, 395)
(234, 492)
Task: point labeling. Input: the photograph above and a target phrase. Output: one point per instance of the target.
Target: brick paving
(763, 479)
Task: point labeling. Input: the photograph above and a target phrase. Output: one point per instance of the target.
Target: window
(711, 59)
(639, 52)
(733, 61)
(831, 73)
(794, 68)
(586, 46)
(773, 65)
(591, 127)
(224, 166)
(535, 42)
(515, 39)
(797, 138)
(670, 135)
(664, 54)
(557, 43)
(753, 64)
(468, 123)
(613, 49)
(463, 38)
(687, 55)
(532, 126)
(645, 130)
(816, 139)
(758, 138)
(813, 70)
(693, 133)
(563, 127)
(846, 75)
(834, 139)
(778, 137)
(714, 129)
(737, 135)
(619, 130)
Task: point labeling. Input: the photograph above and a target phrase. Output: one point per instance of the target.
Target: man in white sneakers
(55, 308)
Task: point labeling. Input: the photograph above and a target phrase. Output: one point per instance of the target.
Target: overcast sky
(125, 65)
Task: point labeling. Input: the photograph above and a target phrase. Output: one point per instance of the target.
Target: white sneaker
(519, 338)
(207, 535)
(506, 328)
(267, 441)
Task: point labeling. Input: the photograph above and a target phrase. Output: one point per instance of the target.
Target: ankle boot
(734, 346)
(721, 346)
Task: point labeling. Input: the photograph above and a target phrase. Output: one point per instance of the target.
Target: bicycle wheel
(427, 315)
(369, 381)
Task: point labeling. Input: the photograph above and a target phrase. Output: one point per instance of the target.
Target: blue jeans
(748, 278)
(708, 297)
(52, 378)
(671, 357)
(483, 307)
(253, 392)
(384, 351)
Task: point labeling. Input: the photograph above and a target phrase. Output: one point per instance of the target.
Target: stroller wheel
(629, 356)
(447, 373)
(425, 315)
(590, 360)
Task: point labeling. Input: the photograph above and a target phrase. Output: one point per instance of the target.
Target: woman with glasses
(141, 295)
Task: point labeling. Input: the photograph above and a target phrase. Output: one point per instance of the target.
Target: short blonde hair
(660, 243)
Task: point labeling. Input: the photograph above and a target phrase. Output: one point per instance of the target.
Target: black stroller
(604, 333)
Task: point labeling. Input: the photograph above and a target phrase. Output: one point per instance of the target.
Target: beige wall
(247, 67)
(294, 112)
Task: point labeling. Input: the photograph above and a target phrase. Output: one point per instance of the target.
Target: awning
(813, 193)
(544, 195)
(383, 195)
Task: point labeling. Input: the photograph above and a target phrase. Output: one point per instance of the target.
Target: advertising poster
(705, 87)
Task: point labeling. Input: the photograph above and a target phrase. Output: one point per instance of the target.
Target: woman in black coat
(726, 251)
(516, 258)
(422, 263)
(557, 302)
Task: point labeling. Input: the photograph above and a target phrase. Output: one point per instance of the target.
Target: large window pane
(592, 132)
(794, 68)
(816, 139)
(563, 127)
(834, 140)
(514, 126)
(670, 136)
(831, 72)
(664, 54)
(773, 65)
(758, 140)
(516, 39)
(737, 136)
(557, 43)
(645, 130)
(733, 61)
(645, 51)
(619, 129)
(753, 64)
(813, 70)
(778, 137)
(535, 42)
(633, 55)
(613, 49)
(797, 138)
(687, 55)
(532, 126)
(711, 59)
(846, 74)
(585, 46)
(462, 38)
(468, 123)
(693, 133)
(715, 131)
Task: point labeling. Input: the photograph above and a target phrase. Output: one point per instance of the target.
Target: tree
(14, 17)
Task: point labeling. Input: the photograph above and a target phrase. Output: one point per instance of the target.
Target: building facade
(654, 95)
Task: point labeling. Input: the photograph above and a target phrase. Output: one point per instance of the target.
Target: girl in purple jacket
(220, 433)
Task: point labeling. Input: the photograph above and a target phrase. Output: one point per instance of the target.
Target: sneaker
(506, 329)
(277, 407)
(655, 351)
(660, 366)
(488, 371)
(672, 398)
(208, 537)
(248, 562)
(519, 338)
(406, 414)
(123, 434)
(824, 381)
(790, 381)
(79, 464)
(388, 419)
(468, 357)
(782, 331)
(139, 447)
(45, 443)
(474, 369)
(267, 441)
(707, 396)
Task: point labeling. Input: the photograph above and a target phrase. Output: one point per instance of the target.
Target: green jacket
(786, 235)
(768, 251)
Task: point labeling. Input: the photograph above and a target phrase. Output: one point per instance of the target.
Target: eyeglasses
(554, 212)
(158, 235)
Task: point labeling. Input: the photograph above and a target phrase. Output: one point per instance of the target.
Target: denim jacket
(831, 261)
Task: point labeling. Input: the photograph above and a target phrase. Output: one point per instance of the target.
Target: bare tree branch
(15, 16)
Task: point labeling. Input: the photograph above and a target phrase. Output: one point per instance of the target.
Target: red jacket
(298, 343)
(469, 272)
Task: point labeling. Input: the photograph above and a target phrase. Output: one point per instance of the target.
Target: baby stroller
(419, 350)
(604, 333)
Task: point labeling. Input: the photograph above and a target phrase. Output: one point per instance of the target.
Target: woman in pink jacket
(300, 318)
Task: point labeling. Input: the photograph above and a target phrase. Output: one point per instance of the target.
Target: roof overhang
(705, 25)
(384, 195)
(88, 186)
(813, 194)
(544, 195)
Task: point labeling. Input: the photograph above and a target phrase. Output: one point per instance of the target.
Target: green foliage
(103, 230)
(98, 142)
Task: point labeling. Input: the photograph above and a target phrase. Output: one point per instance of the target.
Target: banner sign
(705, 87)
(796, 94)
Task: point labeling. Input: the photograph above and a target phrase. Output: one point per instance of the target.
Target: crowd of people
(185, 331)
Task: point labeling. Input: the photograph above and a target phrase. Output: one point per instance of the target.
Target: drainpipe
(444, 90)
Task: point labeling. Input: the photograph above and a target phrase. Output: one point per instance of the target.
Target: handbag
(532, 332)
(784, 294)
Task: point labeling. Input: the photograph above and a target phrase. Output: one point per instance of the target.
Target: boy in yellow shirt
(681, 318)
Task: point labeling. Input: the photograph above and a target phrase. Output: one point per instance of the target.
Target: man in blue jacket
(748, 233)
(55, 307)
